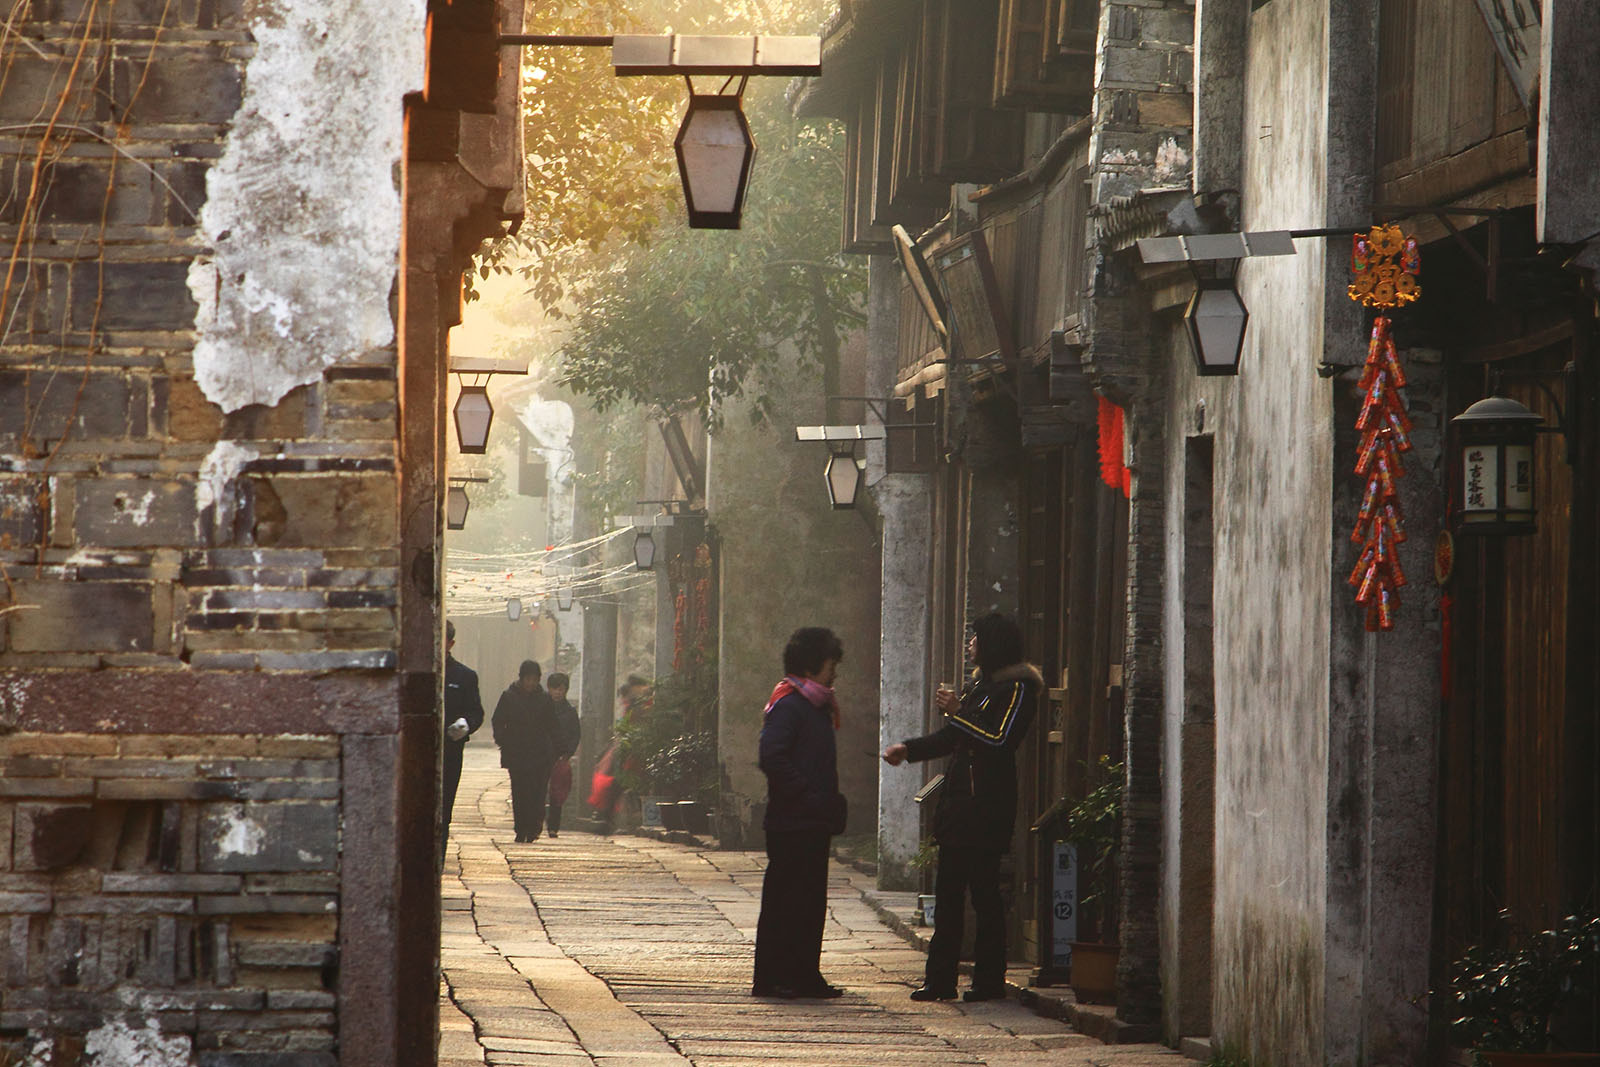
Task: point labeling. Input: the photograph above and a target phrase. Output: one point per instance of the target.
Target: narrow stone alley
(629, 952)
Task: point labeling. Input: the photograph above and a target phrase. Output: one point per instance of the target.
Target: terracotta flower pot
(1094, 972)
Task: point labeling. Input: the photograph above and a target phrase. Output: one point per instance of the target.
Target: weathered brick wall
(1141, 139)
(186, 884)
(216, 775)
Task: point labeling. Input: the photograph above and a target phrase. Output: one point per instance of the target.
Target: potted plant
(1094, 825)
(1504, 1000)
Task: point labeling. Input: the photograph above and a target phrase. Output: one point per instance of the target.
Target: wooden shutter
(972, 142)
(861, 236)
(1029, 72)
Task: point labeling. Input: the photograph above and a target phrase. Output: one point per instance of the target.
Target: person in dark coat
(463, 714)
(524, 727)
(804, 810)
(975, 809)
(567, 733)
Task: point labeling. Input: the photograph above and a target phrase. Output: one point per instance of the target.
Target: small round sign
(1444, 557)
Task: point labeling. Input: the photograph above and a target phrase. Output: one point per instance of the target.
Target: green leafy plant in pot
(1094, 825)
(1503, 1001)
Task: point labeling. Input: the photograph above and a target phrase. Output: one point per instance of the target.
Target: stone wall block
(189, 415)
(336, 509)
(21, 512)
(81, 617)
(134, 512)
(50, 836)
(177, 86)
(98, 405)
(131, 296)
(31, 79)
(269, 837)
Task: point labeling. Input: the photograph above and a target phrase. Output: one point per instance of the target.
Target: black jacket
(567, 729)
(800, 760)
(524, 727)
(977, 805)
(461, 700)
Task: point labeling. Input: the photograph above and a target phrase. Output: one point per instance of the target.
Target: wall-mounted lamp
(456, 506)
(1215, 320)
(714, 146)
(1216, 317)
(514, 609)
(715, 152)
(473, 414)
(644, 542)
(1494, 493)
(456, 503)
(843, 474)
(564, 598)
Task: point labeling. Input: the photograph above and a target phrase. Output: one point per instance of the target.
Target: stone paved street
(627, 952)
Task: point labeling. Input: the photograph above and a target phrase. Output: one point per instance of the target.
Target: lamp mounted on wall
(1494, 491)
(714, 147)
(564, 598)
(843, 474)
(456, 503)
(473, 414)
(1215, 321)
(644, 542)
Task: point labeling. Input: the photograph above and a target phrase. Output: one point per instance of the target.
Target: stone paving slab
(585, 951)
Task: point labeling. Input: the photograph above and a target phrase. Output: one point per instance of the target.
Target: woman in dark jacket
(975, 808)
(804, 809)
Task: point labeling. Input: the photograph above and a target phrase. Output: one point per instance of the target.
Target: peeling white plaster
(302, 214)
(241, 835)
(137, 512)
(1120, 157)
(1172, 161)
(42, 1054)
(222, 465)
(116, 1044)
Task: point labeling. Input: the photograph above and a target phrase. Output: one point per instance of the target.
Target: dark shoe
(928, 993)
(779, 992)
(821, 991)
(984, 994)
(554, 834)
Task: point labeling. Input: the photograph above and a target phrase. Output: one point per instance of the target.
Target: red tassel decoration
(1109, 417)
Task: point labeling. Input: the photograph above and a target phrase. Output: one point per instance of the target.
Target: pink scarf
(814, 691)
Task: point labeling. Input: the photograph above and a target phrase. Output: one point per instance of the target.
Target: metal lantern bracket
(1567, 429)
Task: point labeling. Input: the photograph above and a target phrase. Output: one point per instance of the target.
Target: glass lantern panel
(1219, 319)
(1480, 483)
(844, 481)
(1519, 480)
(714, 153)
(473, 413)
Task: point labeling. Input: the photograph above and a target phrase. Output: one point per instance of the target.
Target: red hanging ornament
(1110, 420)
(1385, 264)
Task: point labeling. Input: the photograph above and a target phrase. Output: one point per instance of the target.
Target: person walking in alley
(566, 743)
(977, 804)
(524, 727)
(463, 714)
(804, 810)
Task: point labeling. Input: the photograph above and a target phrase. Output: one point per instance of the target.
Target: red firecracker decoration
(1385, 264)
(1112, 471)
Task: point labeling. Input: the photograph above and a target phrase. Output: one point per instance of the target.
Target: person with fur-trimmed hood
(975, 809)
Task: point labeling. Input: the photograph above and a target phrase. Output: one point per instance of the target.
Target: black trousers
(964, 870)
(529, 786)
(794, 907)
(447, 790)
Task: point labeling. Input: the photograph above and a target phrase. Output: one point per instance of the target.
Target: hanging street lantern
(1494, 446)
(564, 598)
(473, 414)
(1215, 319)
(843, 475)
(715, 151)
(644, 550)
(514, 609)
(455, 507)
